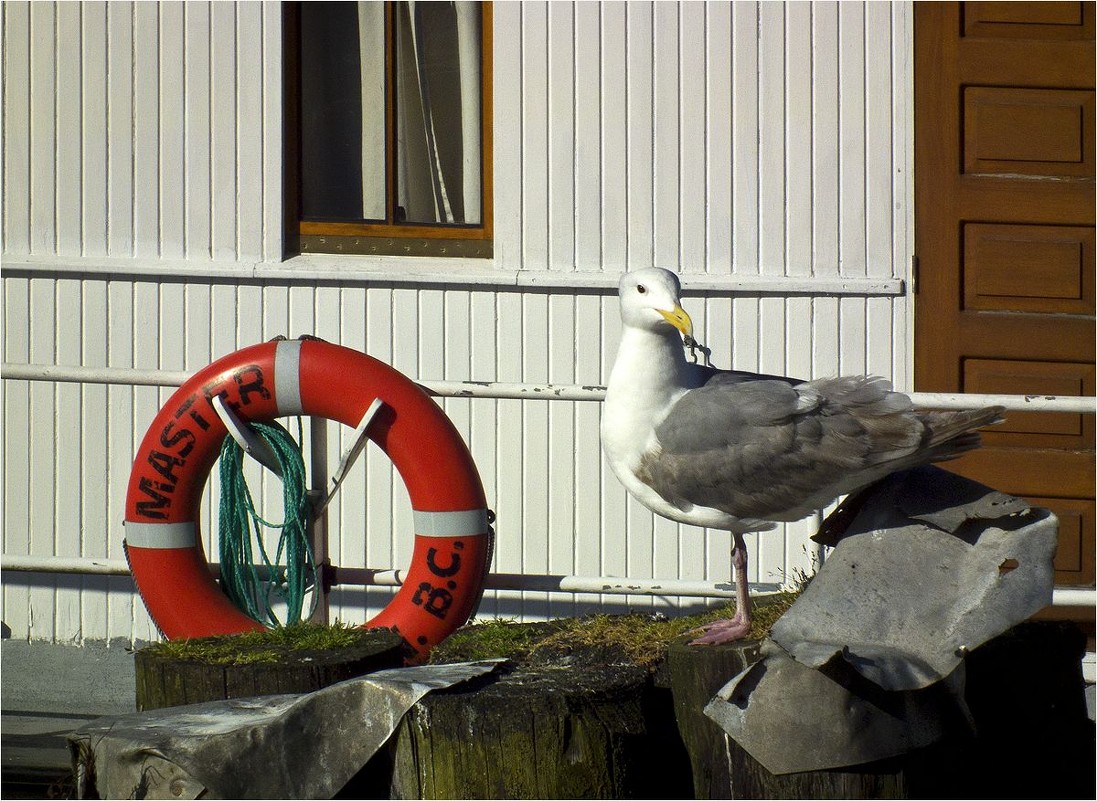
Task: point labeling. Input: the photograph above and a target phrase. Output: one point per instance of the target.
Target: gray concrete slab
(48, 690)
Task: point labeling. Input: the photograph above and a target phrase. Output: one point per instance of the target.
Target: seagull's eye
(641, 289)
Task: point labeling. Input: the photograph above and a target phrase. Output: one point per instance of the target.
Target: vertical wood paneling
(271, 87)
(250, 155)
(588, 144)
(507, 133)
(42, 197)
(535, 451)
(17, 446)
(172, 130)
(879, 165)
(535, 137)
(146, 130)
(724, 109)
(614, 142)
(665, 133)
(826, 154)
(639, 166)
(119, 426)
(120, 129)
(508, 491)
(222, 132)
(17, 135)
(851, 139)
(561, 529)
(589, 366)
(93, 134)
(729, 138)
(561, 142)
(196, 107)
(69, 129)
(799, 132)
(42, 511)
(747, 130)
(692, 145)
(68, 457)
(772, 162)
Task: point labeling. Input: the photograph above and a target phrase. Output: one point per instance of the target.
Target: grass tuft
(253, 647)
(638, 638)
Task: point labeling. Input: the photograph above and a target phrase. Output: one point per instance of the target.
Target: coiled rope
(240, 579)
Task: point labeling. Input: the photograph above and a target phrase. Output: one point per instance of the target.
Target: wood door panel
(1023, 336)
(1004, 233)
(1028, 268)
(1048, 473)
(1003, 62)
(1045, 132)
(1013, 20)
(1065, 201)
(1034, 429)
(1074, 558)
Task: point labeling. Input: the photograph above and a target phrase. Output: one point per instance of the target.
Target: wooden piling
(164, 679)
(591, 731)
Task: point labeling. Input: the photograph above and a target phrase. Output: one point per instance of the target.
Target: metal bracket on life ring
(307, 377)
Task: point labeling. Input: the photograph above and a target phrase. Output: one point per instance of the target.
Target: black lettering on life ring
(151, 508)
(255, 373)
(438, 600)
(185, 406)
(170, 436)
(249, 381)
(443, 572)
(164, 463)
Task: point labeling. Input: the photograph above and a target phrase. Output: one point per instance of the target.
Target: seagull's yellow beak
(679, 319)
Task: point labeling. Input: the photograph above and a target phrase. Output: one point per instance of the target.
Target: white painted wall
(763, 143)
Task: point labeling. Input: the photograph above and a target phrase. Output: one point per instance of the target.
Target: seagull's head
(649, 301)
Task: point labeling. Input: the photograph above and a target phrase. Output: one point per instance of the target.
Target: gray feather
(769, 448)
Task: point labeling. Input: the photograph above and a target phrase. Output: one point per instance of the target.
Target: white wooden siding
(142, 228)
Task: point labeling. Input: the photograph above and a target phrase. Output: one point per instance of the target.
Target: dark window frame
(390, 237)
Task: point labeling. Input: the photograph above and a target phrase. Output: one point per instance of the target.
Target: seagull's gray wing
(764, 448)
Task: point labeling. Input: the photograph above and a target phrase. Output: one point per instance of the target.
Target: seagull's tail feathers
(946, 435)
(952, 434)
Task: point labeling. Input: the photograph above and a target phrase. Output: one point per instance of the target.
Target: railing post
(318, 527)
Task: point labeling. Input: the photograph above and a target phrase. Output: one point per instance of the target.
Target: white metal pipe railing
(127, 376)
(502, 390)
(391, 577)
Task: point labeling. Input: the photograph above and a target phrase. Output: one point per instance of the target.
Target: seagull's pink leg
(737, 627)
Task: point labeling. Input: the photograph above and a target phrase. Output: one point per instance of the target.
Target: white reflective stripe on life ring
(451, 524)
(161, 535)
(287, 377)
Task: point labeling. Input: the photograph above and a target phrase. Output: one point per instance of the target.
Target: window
(389, 127)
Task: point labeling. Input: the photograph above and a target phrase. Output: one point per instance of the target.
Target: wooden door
(1004, 238)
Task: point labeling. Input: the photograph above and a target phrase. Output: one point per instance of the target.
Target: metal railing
(502, 390)
(127, 376)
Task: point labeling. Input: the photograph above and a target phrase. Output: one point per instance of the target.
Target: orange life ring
(306, 377)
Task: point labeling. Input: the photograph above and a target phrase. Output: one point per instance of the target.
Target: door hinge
(914, 275)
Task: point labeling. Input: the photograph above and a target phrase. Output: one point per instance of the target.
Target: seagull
(740, 451)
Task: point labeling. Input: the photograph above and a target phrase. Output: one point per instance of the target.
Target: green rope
(240, 578)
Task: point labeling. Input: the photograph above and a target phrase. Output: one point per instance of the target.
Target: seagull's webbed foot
(723, 631)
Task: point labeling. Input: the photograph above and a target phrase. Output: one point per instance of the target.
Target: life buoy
(306, 377)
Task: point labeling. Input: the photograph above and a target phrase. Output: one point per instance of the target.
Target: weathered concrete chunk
(902, 599)
(926, 567)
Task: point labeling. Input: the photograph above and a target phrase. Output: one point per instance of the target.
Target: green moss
(254, 647)
(638, 638)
